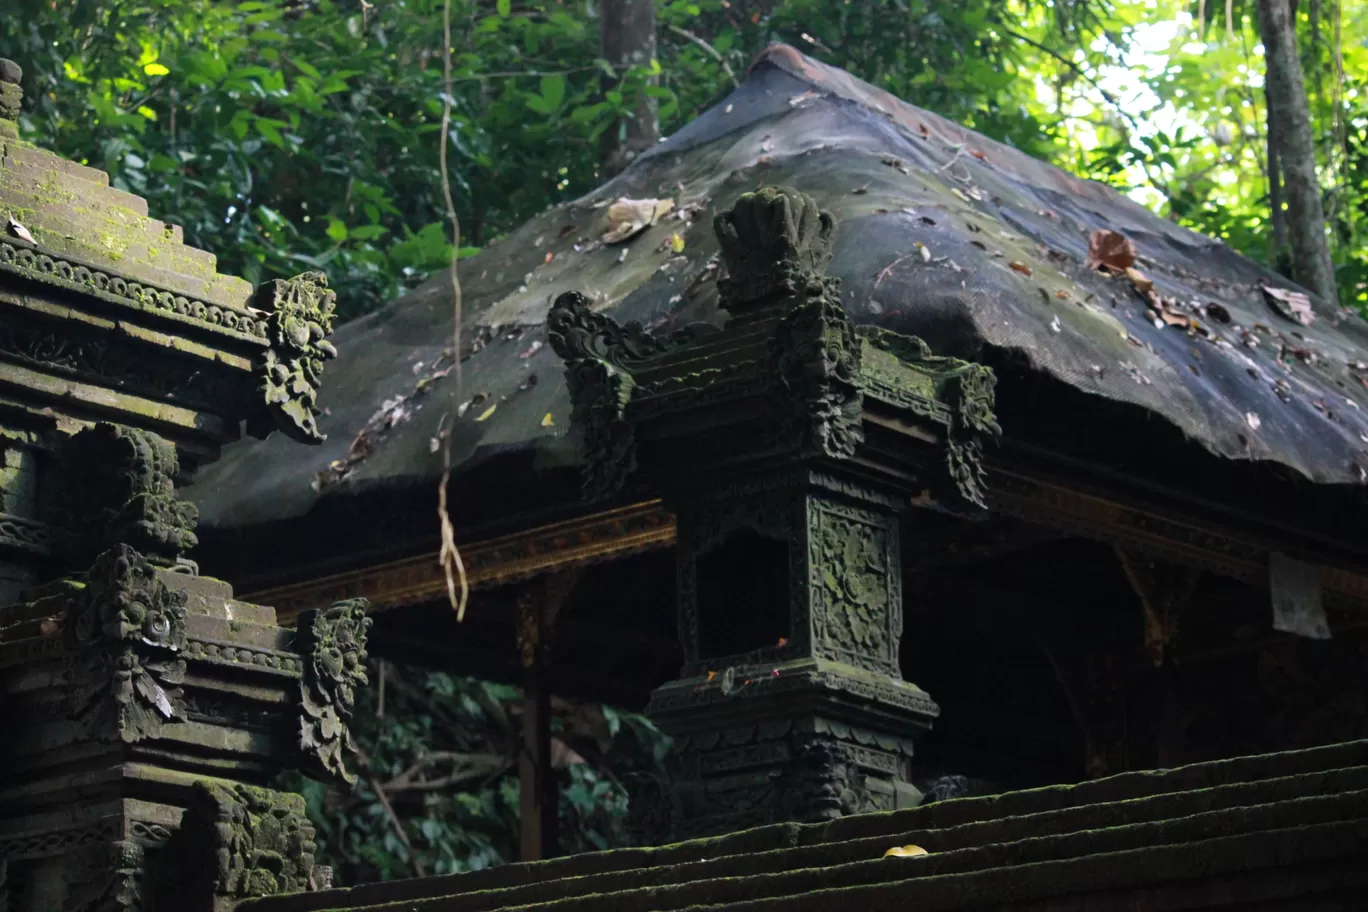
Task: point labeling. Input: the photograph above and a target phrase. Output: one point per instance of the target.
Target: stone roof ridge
(63, 222)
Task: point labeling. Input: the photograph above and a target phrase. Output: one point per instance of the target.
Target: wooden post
(1164, 590)
(539, 804)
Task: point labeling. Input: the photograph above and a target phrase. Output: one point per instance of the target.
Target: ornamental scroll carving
(301, 318)
(118, 488)
(856, 596)
(241, 841)
(332, 646)
(126, 636)
(599, 355)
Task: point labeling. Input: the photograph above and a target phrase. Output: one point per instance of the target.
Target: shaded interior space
(1035, 645)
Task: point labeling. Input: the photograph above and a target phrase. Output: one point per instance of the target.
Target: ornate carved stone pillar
(145, 709)
(137, 690)
(790, 444)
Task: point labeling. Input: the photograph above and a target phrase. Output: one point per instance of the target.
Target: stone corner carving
(237, 842)
(776, 242)
(599, 355)
(332, 646)
(817, 358)
(119, 488)
(125, 633)
(301, 315)
(967, 390)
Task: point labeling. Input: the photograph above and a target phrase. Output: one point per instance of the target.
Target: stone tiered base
(1290, 830)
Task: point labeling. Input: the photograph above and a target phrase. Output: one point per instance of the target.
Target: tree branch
(711, 51)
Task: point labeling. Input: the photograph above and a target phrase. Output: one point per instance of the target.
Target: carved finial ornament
(302, 312)
(775, 241)
(11, 95)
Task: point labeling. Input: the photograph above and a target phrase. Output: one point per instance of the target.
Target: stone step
(1288, 868)
(961, 845)
(21, 153)
(1116, 814)
(52, 177)
(913, 876)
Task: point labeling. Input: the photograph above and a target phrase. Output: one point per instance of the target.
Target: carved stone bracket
(118, 487)
(599, 356)
(125, 634)
(237, 842)
(301, 318)
(332, 645)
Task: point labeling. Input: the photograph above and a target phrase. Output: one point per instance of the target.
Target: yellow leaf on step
(487, 412)
(547, 422)
(907, 851)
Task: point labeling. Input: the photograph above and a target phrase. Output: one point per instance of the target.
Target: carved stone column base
(804, 741)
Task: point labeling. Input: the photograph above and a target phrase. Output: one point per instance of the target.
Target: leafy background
(298, 134)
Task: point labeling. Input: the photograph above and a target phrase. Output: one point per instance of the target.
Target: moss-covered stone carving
(125, 632)
(239, 841)
(790, 343)
(776, 242)
(332, 645)
(301, 318)
(966, 389)
(600, 356)
(10, 92)
(117, 488)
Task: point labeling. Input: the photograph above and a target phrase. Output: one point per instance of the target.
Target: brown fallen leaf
(1142, 282)
(628, 217)
(1294, 305)
(1110, 250)
(548, 258)
(979, 155)
(1020, 267)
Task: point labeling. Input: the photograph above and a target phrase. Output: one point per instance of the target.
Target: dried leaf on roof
(628, 217)
(1110, 250)
(1294, 305)
(1021, 267)
(907, 851)
(1142, 282)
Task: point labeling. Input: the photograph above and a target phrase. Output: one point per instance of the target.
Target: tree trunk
(627, 38)
(1281, 258)
(1289, 131)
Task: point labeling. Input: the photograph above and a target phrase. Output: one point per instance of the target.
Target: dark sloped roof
(933, 218)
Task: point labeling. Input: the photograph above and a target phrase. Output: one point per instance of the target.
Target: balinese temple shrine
(147, 709)
(854, 447)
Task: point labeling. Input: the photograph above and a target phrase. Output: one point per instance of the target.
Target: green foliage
(304, 135)
(445, 753)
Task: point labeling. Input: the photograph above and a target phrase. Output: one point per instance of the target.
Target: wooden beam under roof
(1063, 502)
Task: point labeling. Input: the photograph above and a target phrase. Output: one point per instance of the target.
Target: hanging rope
(458, 587)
